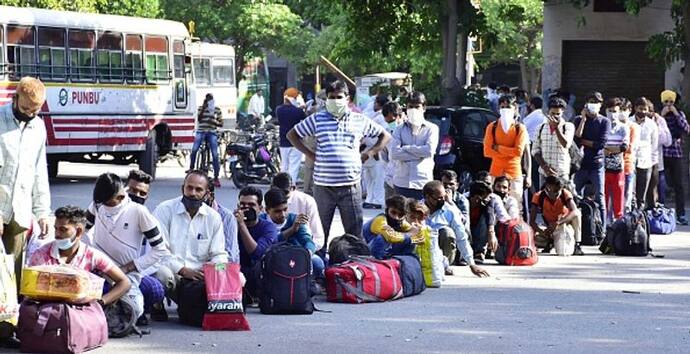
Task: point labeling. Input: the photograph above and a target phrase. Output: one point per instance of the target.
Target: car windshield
(475, 124)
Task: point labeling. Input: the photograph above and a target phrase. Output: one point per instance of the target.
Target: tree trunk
(450, 87)
(461, 60)
(239, 66)
(524, 74)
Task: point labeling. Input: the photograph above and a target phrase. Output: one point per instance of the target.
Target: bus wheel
(149, 157)
(53, 167)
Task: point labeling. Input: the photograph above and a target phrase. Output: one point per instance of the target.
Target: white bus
(117, 86)
(214, 73)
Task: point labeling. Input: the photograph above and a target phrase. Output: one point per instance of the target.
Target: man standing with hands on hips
(24, 191)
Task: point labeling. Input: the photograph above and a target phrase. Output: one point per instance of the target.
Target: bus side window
(223, 71)
(134, 54)
(21, 51)
(51, 54)
(110, 57)
(157, 68)
(3, 65)
(178, 59)
(81, 46)
(202, 71)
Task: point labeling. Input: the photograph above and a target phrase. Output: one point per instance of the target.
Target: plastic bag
(224, 293)
(9, 307)
(564, 240)
(431, 258)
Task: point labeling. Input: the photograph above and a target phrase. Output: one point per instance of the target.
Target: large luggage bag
(662, 221)
(285, 280)
(364, 279)
(57, 327)
(628, 236)
(516, 245)
(593, 232)
(411, 275)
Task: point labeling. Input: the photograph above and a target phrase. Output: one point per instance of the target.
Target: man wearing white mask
(289, 114)
(413, 148)
(338, 163)
(591, 134)
(505, 141)
(391, 118)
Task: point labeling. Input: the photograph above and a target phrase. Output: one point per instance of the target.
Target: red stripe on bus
(113, 121)
(136, 128)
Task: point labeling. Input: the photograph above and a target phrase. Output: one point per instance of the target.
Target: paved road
(588, 304)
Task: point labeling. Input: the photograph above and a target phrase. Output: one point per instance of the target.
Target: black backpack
(342, 247)
(121, 318)
(592, 225)
(192, 302)
(411, 275)
(628, 236)
(285, 280)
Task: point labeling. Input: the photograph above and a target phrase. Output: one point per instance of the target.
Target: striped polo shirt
(338, 161)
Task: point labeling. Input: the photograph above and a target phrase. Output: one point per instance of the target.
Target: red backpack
(516, 244)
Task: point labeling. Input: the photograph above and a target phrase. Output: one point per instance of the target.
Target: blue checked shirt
(678, 126)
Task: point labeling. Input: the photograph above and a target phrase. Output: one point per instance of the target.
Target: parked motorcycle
(254, 161)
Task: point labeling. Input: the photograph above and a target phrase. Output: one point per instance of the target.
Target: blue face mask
(65, 243)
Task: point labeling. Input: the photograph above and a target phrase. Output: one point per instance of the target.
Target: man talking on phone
(255, 235)
(552, 142)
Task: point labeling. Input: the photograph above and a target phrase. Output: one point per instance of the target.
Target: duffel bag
(364, 279)
(662, 221)
(628, 236)
(57, 327)
(411, 275)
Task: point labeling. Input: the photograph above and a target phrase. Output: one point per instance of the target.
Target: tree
(250, 26)
(513, 32)
(141, 8)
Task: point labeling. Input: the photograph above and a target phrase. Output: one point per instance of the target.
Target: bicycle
(203, 158)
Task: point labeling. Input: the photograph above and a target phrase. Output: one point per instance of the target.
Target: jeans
(290, 162)
(348, 200)
(644, 175)
(380, 248)
(674, 168)
(318, 266)
(615, 197)
(448, 244)
(629, 188)
(596, 178)
(417, 194)
(662, 187)
(212, 143)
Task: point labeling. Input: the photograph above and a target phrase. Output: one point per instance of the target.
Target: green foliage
(513, 31)
(141, 8)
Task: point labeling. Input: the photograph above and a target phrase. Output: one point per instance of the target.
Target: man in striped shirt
(338, 163)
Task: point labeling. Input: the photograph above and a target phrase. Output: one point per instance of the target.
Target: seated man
(495, 202)
(301, 203)
(121, 230)
(292, 227)
(450, 181)
(229, 225)
(193, 231)
(502, 190)
(483, 220)
(70, 225)
(445, 219)
(557, 206)
(255, 235)
(388, 233)
(138, 186)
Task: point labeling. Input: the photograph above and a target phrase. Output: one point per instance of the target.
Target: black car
(461, 139)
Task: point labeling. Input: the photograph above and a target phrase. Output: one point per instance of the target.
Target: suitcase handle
(44, 315)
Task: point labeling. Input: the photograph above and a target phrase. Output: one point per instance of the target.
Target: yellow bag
(9, 307)
(60, 283)
(430, 258)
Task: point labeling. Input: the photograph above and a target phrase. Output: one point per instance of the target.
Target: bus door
(180, 91)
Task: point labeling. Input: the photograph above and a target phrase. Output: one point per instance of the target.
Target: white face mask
(507, 118)
(623, 116)
(594, 108)
(336, 107)
(415, 116)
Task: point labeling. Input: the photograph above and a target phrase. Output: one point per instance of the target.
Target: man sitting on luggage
(388, 233)
(292, 227)
(557, 206)
(194, 233)
(450, 181)
(255, 235)
(502, 190)
(445, 219)
(70, 226)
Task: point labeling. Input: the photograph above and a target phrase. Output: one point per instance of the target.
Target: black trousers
(673, 167)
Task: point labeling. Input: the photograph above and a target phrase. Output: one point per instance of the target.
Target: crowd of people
(614, 159)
